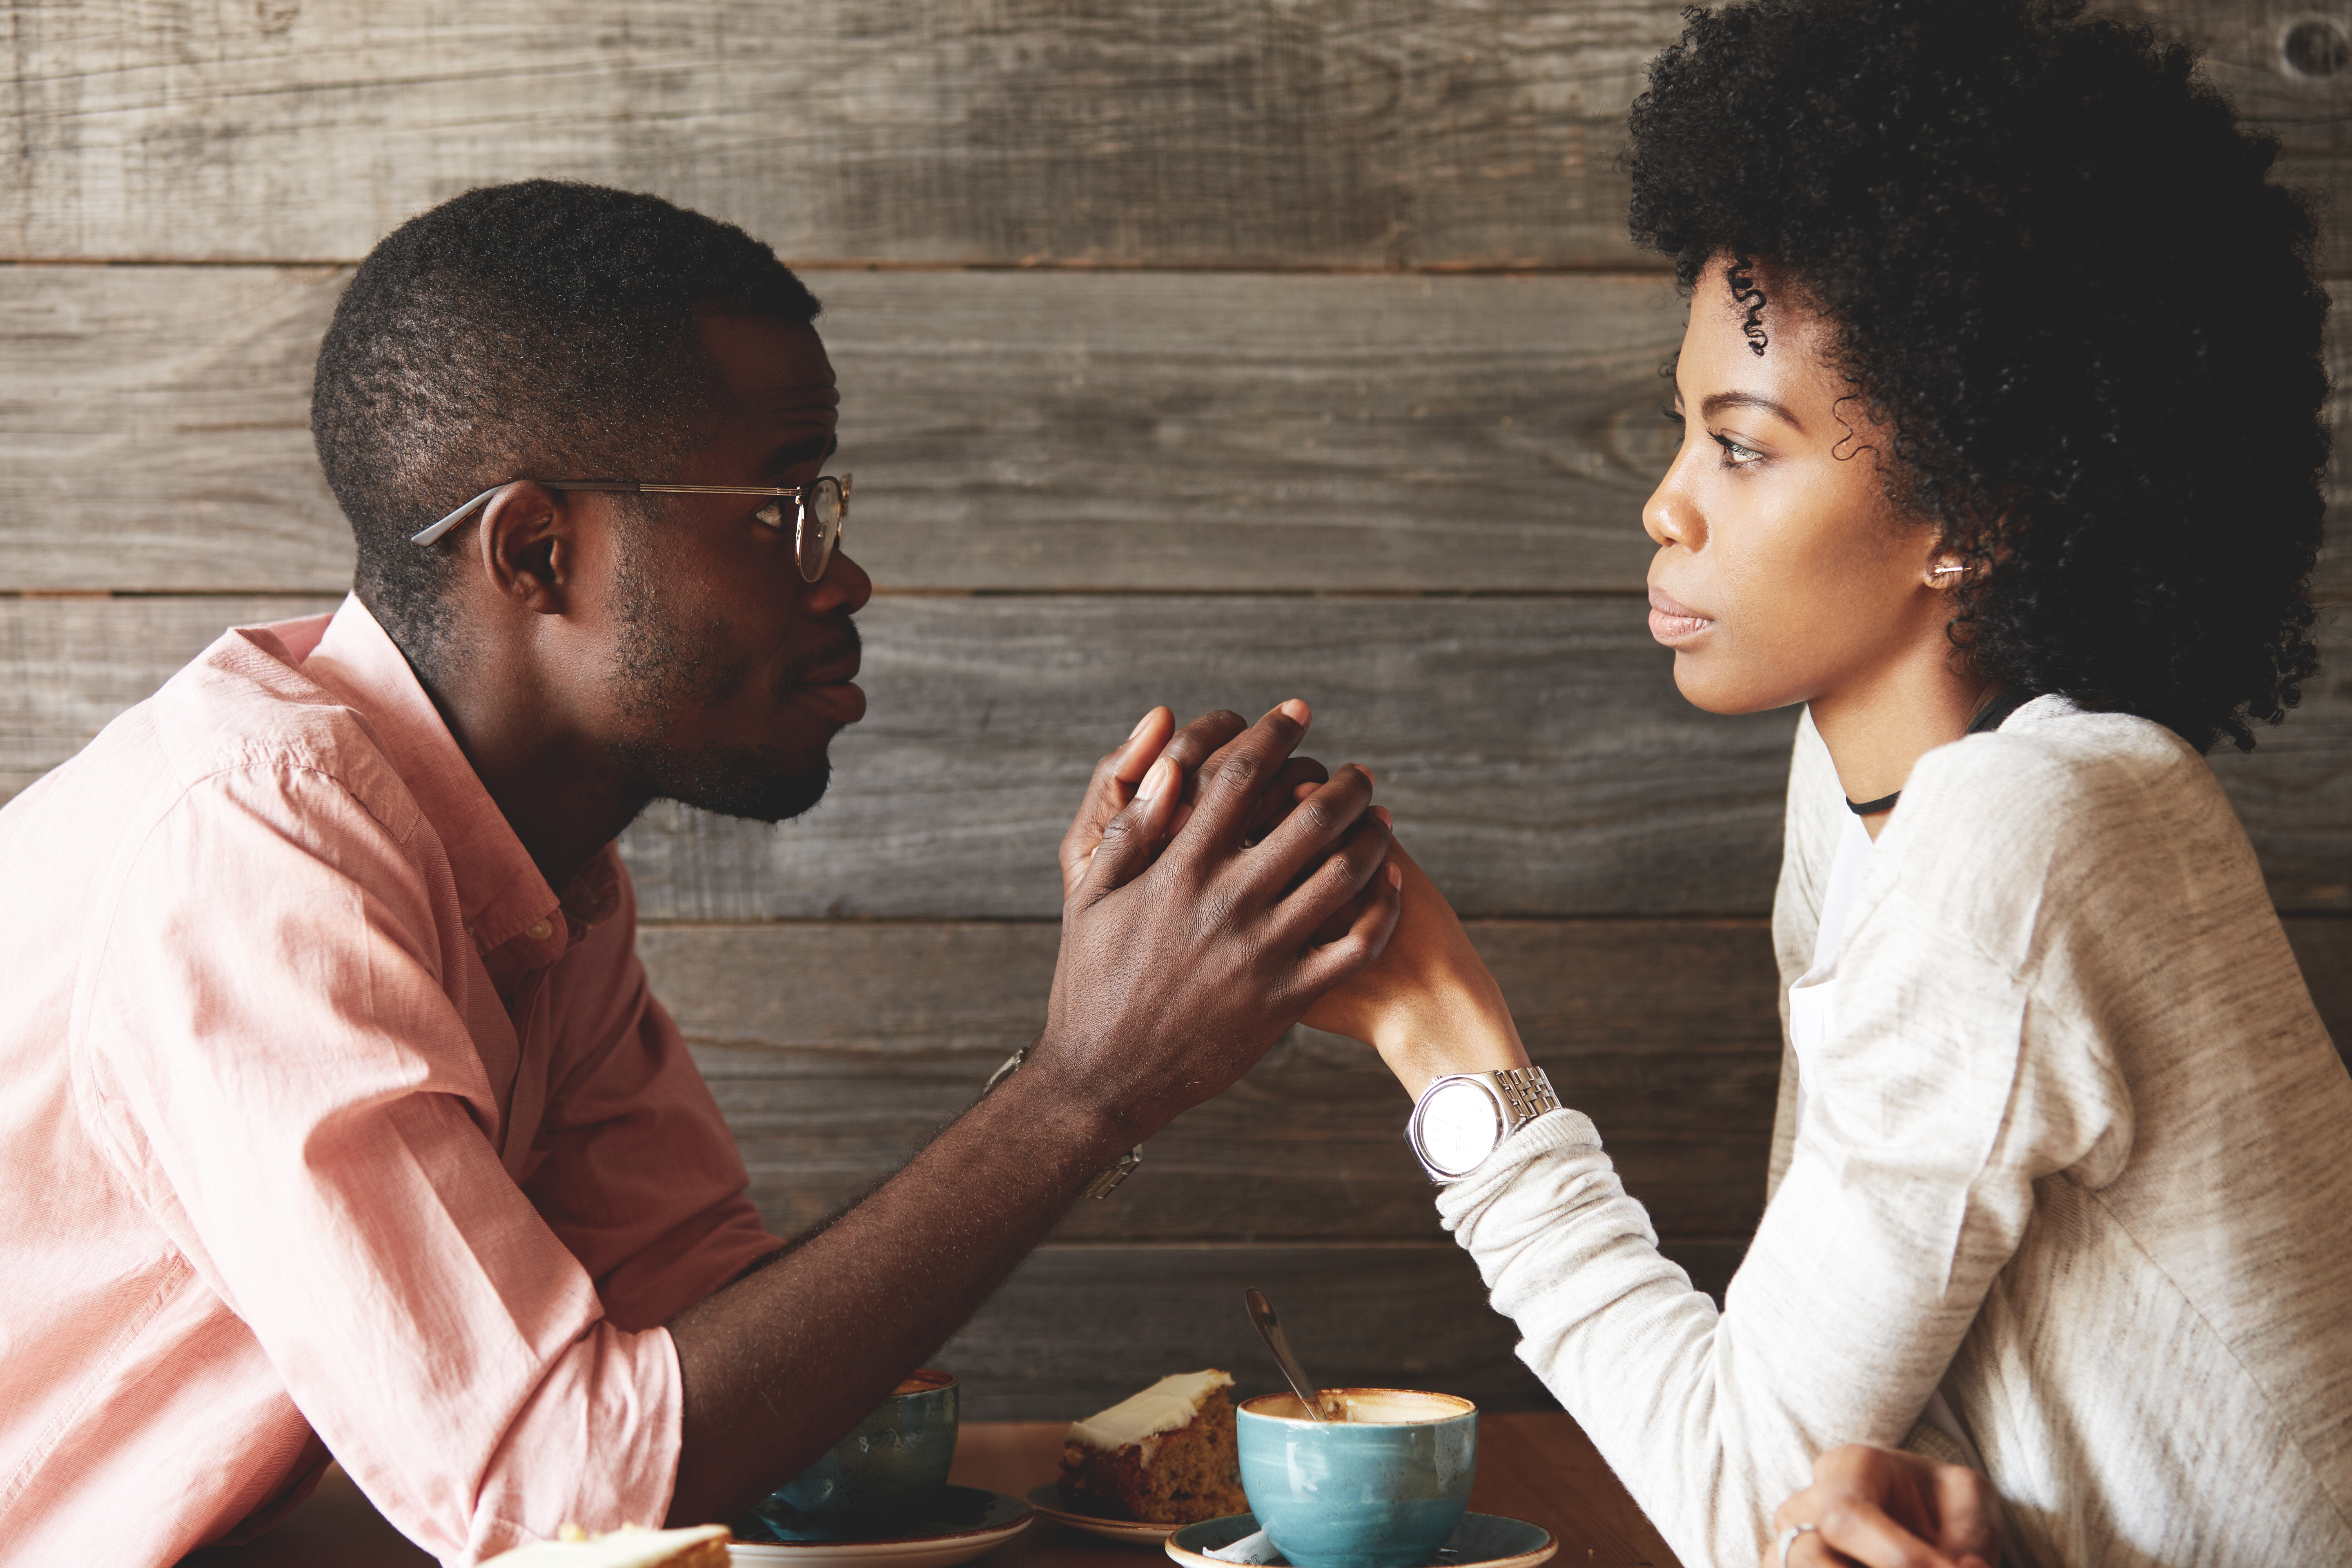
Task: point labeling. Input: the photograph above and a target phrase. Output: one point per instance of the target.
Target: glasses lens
(820, 529)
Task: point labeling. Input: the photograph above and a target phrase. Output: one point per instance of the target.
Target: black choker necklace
(1990, 717)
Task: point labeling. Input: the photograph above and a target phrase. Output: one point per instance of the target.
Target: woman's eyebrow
(1716, 402)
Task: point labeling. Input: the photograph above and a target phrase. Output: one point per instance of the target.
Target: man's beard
(660, 667)
(733, 781)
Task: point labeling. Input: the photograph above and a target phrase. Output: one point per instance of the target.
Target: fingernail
(1367, 772)
(1162, 774)
(1396, 875)
(1297, 711)
(1386, 820)
(1140, 724)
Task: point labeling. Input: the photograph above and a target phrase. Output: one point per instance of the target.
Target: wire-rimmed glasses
(818, 510)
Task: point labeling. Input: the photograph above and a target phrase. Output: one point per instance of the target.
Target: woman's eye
(1734, 455)
(773, 514)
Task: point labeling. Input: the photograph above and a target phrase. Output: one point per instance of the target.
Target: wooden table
(1533, 1466)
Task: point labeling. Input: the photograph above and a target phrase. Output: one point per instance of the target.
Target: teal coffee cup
(892, 1468)
(1382, 1488)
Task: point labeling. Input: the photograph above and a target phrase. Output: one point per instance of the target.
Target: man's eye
(773, 514)
(1735, 455)
(1671, 415)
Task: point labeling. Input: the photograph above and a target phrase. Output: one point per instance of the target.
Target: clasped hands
(1218, 888)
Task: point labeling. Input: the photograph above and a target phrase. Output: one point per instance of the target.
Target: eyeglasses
(818, 510)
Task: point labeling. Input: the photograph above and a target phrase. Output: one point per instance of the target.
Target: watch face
(1459, 1126)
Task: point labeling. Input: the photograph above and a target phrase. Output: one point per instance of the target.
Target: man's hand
(1190, 943)
(1120, 774)
(1887, 1508)
(1428, 1003)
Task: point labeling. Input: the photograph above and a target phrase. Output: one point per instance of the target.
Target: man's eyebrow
(793, 454)
(1716, 402)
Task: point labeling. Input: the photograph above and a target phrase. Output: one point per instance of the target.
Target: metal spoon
(1269, 1329)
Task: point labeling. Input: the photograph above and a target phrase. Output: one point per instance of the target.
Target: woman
(2001, 445)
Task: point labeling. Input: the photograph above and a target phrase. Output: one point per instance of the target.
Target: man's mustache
(838, 660)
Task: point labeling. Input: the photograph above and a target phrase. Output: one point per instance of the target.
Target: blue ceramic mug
(891, 1467)
(1382, 1488)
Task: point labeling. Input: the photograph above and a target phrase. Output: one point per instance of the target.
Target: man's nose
(844, 585)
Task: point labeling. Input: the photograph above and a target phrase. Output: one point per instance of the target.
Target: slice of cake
(1165, 1456)
(703, 1546)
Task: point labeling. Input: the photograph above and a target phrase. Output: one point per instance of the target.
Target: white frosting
(627, 1547)
(1165, 1406)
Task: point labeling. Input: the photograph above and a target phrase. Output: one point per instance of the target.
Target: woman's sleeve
(1939, 1106)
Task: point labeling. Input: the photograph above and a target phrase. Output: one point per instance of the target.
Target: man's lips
(826, 685)
(1672, 622)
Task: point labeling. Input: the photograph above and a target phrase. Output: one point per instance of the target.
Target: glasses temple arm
(433, 534)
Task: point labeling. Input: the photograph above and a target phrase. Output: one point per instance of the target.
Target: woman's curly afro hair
(2057, 269)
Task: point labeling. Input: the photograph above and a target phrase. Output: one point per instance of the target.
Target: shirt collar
(503, 897)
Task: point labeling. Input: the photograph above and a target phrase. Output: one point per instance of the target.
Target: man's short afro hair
(544, 329)
(2058, 270)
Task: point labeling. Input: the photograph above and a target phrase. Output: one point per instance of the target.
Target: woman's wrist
(1459, 1026)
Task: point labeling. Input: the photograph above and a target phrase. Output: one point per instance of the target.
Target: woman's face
(1783, 573)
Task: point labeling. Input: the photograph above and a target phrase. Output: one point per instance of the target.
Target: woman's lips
(1672, 622)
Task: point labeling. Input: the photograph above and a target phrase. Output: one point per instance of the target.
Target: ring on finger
(1788, 1539)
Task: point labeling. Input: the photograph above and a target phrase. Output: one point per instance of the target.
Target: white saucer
(1481, 1541)
(1047, 1500)
(1003, 1518)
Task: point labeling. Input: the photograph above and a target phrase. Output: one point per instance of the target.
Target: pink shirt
(322, 1113)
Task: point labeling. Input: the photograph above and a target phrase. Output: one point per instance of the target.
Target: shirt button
(538, 930)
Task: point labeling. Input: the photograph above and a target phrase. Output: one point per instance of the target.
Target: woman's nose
(1670, 516)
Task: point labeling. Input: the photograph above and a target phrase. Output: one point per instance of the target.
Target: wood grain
(1534, 751)
(836, 1050)
(1078, 1328)
(1206, 132)
(1010, 431)
(1200, 133)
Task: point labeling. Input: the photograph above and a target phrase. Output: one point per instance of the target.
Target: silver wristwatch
(1462, 1118)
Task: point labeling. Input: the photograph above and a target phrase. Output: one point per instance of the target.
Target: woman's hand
(1887, 1508)
(1427, 1003)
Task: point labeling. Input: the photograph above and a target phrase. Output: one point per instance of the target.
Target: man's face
(730, 675)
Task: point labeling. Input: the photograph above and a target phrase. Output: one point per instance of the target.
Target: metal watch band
(1520, 1095)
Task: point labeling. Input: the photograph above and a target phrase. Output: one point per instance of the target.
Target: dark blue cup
(891, 1466)
(1382, 1487)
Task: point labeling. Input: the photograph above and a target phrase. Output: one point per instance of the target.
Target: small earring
(1943, 570)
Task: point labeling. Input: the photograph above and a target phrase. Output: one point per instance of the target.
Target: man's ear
(528, 547)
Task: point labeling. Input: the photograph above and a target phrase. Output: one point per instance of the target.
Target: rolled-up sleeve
(267, 1045)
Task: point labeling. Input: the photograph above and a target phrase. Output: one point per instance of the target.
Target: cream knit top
(2078, 1150)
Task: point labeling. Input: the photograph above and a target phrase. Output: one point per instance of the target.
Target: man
(337, 1116)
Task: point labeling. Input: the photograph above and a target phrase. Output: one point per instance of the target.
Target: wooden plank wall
(1194, 351)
